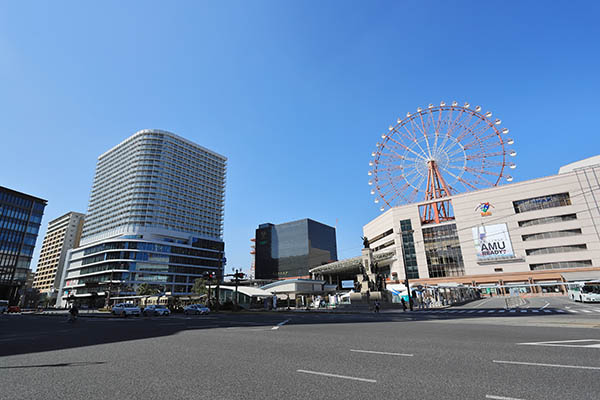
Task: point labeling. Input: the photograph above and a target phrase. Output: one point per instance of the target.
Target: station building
(532, 236)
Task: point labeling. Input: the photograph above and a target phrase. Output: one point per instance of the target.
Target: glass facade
(291, 249)
(442, 250)
(20, 218)
(410, 254)
(127, 264)
(541, 203)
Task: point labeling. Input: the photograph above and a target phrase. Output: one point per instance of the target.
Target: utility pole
(237, 280)
(410, 301)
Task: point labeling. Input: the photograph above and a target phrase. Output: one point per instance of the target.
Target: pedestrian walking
(403, 304)
(377, 305)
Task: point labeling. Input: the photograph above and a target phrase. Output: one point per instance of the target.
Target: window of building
(442, 250)
(408, 246)
(381, 236)
(555, 249)
(552, 234)
(548, 220)
(541, 203)
(561, 264)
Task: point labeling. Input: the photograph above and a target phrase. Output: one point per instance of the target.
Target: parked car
(196, 309)
(14, 309)
(156, 310)
(125, 309)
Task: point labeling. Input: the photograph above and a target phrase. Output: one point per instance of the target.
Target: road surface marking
(501, 310)
(280, 324)
(480, 311)
(535, 310)
(489, 396)
(573, 311)
(545, 365)
(469, 312)
(462, 311)
(337, 376)
(453, 311)
(587, 311)
(597, 309)
(513, 311)
(382, 352)
(545, 305)
(491, 311)
(595, 343)
(547, 310)
(562, 311)
(524, 310)
(482, 303)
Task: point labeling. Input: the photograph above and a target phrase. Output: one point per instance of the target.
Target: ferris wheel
(437, 152)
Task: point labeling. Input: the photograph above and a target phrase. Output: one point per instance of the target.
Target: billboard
(492, 242)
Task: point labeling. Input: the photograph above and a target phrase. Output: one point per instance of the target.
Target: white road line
(547, 310)
(573, 311)
(491, 311)
(545, 305)
(280, 324)
(501, 310)
(513, 311)
(490, 396)
(480, 311)
(469, 312)
(382, 352)
(586, 311)
(337, 376)
(535, 310)
(597, 309)
(524, 310)
(462, 311)
(545, 365)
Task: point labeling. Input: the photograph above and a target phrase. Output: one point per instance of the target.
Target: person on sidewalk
(403, 304)
(377, 306)
(73, 313)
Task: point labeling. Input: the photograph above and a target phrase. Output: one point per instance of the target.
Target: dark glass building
(20, 218)
(289, 250)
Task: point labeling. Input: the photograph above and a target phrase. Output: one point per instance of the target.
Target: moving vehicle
(196, 309)
(3, 306)
(156, 310)
(125, 309)
(585, 291)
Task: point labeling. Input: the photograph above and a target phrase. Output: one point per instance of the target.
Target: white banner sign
(492, 241)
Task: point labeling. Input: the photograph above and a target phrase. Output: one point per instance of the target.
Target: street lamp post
(410, 301)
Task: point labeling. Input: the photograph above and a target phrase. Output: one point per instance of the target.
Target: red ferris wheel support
(436, 210)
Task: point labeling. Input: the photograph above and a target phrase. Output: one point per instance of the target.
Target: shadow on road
(22, 334)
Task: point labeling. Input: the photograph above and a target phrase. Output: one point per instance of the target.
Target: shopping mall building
(531, 235)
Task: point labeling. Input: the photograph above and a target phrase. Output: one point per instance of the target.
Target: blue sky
(295, 94)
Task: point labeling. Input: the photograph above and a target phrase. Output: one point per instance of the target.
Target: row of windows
(6, 197)
(561, 264)
(552, 234)
(542, 202)
(161, 248)
(556, 249)
(381, 236)
(548, 220)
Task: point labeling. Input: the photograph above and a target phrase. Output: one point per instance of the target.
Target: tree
(146, 290)
(199, 286)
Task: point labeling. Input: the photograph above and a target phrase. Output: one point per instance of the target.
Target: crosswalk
(496, 311)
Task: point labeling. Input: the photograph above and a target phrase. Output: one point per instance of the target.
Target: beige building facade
(63, 234)
(531, 235)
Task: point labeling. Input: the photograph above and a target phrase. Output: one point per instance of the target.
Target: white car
(156, 310)
(196, 309)
(125, 309)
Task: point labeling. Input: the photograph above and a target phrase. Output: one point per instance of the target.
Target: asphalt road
(421, 355)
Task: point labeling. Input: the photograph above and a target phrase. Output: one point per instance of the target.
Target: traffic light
(239, 275)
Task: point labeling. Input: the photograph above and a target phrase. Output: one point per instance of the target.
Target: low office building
(20, 218)
(155, 216)
(63, 234)
(531, 235)
(290, 250)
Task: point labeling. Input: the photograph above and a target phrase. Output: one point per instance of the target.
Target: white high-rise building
(155, 216)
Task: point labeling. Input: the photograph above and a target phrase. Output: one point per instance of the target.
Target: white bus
(585, 291)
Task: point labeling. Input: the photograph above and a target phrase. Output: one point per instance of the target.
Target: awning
(581, 276)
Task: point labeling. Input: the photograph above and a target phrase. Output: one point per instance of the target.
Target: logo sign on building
(484, 208)
(492, 242)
